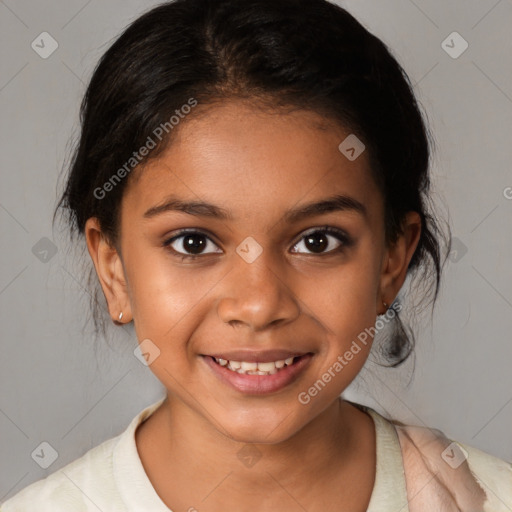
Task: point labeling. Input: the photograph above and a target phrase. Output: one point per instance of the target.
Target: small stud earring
(120, 316)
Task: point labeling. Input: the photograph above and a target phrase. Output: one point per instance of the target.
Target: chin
(254, 436)
(258, 428)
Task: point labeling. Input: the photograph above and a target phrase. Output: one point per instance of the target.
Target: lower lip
(260, 384)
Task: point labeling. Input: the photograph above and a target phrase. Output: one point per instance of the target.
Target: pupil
(194, 243)
(316, 242)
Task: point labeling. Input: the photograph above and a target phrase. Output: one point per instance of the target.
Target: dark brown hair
(308, 54)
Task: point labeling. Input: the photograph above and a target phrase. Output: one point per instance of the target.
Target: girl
(242, 198)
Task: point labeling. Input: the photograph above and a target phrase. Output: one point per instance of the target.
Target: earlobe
(110, 271)
(397, 258)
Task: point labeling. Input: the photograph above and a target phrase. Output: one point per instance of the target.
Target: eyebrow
(330, 204)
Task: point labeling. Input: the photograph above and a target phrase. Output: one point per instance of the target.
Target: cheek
(166, 298)
(166, 305)
(344, 298)
(344, 301)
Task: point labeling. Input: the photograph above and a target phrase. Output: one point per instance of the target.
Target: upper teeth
(253, 368)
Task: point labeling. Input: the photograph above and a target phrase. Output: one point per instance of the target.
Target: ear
(396, 260)
(110, 271)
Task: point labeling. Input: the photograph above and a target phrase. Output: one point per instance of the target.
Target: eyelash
(340, 235)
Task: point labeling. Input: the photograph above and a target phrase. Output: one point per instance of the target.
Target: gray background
(54, 385)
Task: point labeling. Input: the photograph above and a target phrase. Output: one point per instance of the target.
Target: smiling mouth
(266, 371)
(257, 368)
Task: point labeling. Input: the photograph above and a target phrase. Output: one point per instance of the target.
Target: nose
(257, 296)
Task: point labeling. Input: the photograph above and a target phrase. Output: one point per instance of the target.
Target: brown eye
(190, 244)
(323, 241)
(194, 244)
(316, 242)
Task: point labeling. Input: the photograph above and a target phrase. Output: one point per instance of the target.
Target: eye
(323, 240)
(192, 243)
(189, 244)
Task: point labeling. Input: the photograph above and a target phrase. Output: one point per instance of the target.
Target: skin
(257, 164)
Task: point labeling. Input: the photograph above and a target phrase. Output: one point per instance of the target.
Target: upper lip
(257, 356)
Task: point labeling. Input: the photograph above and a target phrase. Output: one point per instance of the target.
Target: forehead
(254, 162)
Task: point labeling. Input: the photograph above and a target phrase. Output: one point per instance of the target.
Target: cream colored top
(412, 475)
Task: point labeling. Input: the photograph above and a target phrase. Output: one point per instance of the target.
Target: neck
(177, 445)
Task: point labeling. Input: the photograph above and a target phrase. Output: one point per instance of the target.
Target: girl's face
(260, 274)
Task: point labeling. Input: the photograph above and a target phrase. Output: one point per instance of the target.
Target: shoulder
(91, 482)
(457, 474)
(492, 473)
(78, 486)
